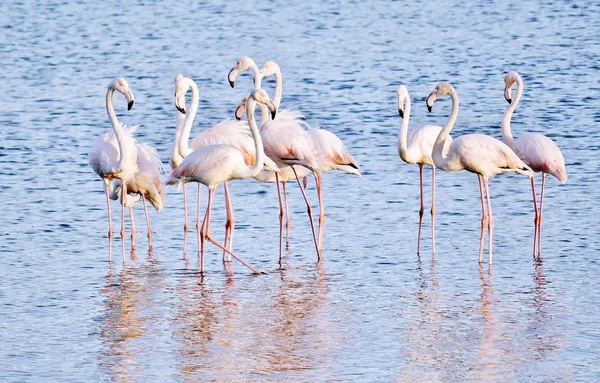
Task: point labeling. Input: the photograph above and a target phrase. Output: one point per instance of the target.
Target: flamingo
(331, 152)
(285, 141)
(229, 132)
(476, 153)
(539, 152)
(417, 150)
(215, 164)
(116, 155)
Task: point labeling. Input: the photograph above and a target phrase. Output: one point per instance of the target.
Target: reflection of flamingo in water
(215, 164)
(539, 152)
(417, 150)
(116, 155)
(476, 153)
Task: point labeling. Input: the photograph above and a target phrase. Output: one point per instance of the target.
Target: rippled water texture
(371, 310)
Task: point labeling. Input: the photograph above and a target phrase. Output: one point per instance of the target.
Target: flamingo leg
(280, 217)
(147, 222)
(539, 236)
(185, 209)
(205, 227)
(321, 211)
(309, 211)
(110, 228)
(133, 236)
(198, 229)
(433, 210)
(229, 225)
(421, 210)
(288, 221)
(483, 218)
(491, 220)
(535, 218)
(123, 194)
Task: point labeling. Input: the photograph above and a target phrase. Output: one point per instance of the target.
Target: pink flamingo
(539, 152)
(331, 152)
(476, 153)
(229, 132)
(116, 155)
(286, 142)
(417, 149)
(215, 164)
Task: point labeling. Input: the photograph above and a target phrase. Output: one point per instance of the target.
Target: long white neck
(118, 128)
(264, 112)
(258, 144)
(278, 88)
(403, 134)
(507, 136)
(176, 158)
(184, 148)
(438, 147)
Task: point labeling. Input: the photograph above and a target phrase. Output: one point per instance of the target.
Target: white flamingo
(476, 153)
(116, 155)
(286, 142)
(539, 152)
(331, 152)
(215, 164)
(417, 149)
(229, 132)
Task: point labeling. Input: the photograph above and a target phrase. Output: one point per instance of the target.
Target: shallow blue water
(371, 310)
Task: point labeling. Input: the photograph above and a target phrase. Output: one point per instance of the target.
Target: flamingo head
(120, 85)
(241, 108)
(260, 96)
(509, 81)
(240, 66)
(270, 68)
(403, 97)
(442, 89)
(182, 84)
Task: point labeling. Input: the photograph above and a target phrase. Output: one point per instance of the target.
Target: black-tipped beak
(231, 82)
(429, 103)
(401, 113)
(130, 105)
(429, 108)
(182, 110)
(507, 96)
(273, 114)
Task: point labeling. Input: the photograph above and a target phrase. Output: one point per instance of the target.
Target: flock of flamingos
(284, 148)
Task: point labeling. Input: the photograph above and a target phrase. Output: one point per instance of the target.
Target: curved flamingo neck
(507, 136)
(403, 134)
(278, 88)
(438, 147)
(117, 128)
(264, 112)
(258, 144)
(176, 158)
(184, 148)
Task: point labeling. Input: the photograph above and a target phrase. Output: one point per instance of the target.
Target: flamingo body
(332, 153)
(541, 154)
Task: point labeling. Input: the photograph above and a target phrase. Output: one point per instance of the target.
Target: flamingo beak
(507, 96)
(272, 108)
(178, 105)
(130, 105)
(430, 100)
(231, 76)
(401, 112)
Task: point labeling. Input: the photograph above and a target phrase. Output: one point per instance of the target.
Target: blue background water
(371, 310)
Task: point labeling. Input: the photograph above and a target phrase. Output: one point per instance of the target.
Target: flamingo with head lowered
(214, 164)
(417, 149)
(117, 155)
(539, 152)
(476, 153)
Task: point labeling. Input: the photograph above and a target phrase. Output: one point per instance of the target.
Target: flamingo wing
(332, 152)
(541, 154)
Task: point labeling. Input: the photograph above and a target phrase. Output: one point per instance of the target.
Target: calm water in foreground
(371, 310)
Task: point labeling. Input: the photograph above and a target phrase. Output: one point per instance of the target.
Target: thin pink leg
(205, 228)
(539, 247)
(199, 228)
(280, 217)
(185, 209)
(535, 218)
(110, 228)
(421, 210)
(322, 217)
(483, 218)
(491, 220)
(288, 221)
(309, 211)
(229, 224)
(433, 210)
(147, 222)
(123, 195)
(133, 231)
